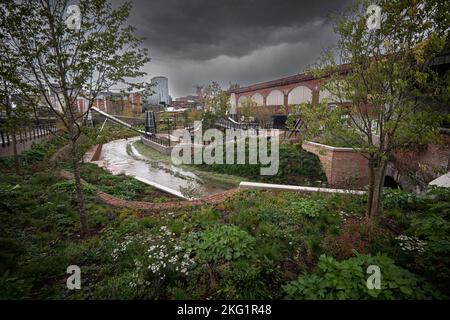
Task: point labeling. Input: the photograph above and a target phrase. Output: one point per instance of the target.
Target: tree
(65, 61)
(248, 106)
(12, 86)
(8, 65)
(383, 83)
(216, 103)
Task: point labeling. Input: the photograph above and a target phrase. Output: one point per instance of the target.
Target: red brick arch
(285, 85)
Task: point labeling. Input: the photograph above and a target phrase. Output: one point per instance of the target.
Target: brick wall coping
(284, 187)
(331, 148)
(149, 207)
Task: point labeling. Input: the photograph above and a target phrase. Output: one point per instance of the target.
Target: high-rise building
(160, 87)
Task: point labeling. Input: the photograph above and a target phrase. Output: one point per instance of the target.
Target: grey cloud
(244, 41)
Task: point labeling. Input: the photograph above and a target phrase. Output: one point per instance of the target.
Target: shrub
(430, 250)
(127, 189)
(244, 280)
(8, 194)
(440, 193)
(296, 166)
(357, 235)
(13, 287)
(157, 259)
(205, 216)
(396, 198)
(223, 243)
(347, 280)
(118, 287)
(311, 208)
(69, 187)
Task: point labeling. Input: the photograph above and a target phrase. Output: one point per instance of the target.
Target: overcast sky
(239, 41)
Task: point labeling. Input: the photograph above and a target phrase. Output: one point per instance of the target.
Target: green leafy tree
(382, 83)
(216, 103)
(63, 63)
(12, 85)
(248, 107)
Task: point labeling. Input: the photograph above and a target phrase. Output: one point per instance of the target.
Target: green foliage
(121, 186)
(245, 279)
(306, 207)
(347, 280)
(433, 228)
(128, 189)
(366, 85)
(223, 243)
(326, 125)
(245, 248)
(118, 287)
(296, 166)
(69, 187)
(205, 216)
(13, 287)
(39, 152)
(156, 258)
(215, 101)
(396, 198)
(440, 193)
(109, 133)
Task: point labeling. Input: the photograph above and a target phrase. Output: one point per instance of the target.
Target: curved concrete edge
(442, 181)
(328, 147)
(162, 188)
(283, 187)
(149, 207)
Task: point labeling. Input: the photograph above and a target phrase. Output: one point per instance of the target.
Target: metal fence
(227, 124)
(161, 141)
(26, 133)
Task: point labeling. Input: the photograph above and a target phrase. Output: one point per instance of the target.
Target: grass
(122, 186)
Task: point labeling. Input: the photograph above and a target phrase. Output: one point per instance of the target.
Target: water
(120, 157)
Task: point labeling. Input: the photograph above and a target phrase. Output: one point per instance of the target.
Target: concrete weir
(120, 157)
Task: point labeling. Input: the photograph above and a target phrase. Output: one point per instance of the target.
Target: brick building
(115, 103)
(277, 96)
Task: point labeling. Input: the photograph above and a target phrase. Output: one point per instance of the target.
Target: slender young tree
(71, 53)
(215, 103)
(248, 108)
(383, 82)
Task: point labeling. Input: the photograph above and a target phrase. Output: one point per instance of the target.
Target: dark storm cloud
(197, 41)
(203, 29)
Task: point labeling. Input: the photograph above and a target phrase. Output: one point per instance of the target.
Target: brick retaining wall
(342, 166)
(149, 208)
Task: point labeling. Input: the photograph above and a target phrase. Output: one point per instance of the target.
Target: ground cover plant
(255, 245)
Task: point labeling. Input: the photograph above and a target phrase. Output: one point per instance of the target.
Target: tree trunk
(377, 171)
(79, 191)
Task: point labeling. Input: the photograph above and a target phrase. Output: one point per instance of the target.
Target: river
(121, 157)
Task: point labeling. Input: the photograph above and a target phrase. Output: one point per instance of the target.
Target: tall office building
(160, 87)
